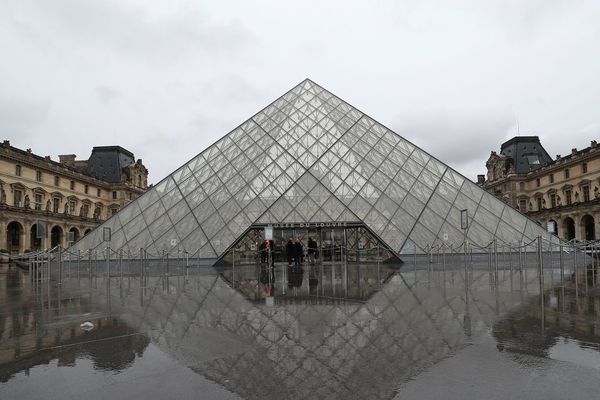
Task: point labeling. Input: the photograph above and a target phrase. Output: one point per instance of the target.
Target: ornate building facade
(44, 203)
(562, 194)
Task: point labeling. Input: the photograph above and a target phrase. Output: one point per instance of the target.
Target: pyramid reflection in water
(309, 157)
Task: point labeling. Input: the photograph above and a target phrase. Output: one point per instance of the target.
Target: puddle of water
(341, 331)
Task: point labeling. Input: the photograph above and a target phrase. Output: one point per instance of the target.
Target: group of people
(295, 251)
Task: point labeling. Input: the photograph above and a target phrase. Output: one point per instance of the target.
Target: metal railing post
(496, 261)
(540, 262)
(108, 264)
(233, 269)
(60, 264)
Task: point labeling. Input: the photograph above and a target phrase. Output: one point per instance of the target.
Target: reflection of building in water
(329, 348)
(31, 333)
(564, 317)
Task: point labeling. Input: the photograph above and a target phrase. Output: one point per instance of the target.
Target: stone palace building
(44, 203)
(562, 194)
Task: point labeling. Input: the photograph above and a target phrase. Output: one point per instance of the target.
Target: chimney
(593, 144)
(67, 159)
(574, 150)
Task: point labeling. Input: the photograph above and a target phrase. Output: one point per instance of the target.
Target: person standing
(299, 252)
(290, 250)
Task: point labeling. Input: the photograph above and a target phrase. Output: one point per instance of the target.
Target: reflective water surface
(320, 331)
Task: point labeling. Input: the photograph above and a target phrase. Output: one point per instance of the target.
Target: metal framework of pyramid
(311, 157)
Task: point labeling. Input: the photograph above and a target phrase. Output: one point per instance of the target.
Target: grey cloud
(131, 31)
(106, 94)
(460, 137)
(21, 117)
(167, 79)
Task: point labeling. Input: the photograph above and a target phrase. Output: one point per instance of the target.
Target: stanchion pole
(496, 261)
(108, 264)
(561, 261)
(541, 279)
(90, 265)
(141, 267)
(60, 264)
(233, 268)
(576, 269)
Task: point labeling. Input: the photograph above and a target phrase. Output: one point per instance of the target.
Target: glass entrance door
(332, 244)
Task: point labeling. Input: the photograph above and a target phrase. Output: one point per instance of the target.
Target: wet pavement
(334, 331)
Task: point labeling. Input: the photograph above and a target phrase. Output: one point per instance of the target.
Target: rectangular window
(86, 210)
(56, 181)
(568, 194)
(584, 168)
(86, 189)
(130, 196)
(551, 178)
(537, 182)
(56, 205)
(72, 185)
(17, 198)
(38, 201)
(114, 195)
(38, 176)
(567, 174)
(113, 211)
(72, 207)
(98, 192)
(552, 200)
(539, 203)
(586, 193)
(523, 205)
(17, 170)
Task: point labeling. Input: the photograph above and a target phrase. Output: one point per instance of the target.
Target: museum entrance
(334, 243)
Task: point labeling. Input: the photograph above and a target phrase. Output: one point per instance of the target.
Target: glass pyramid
(311, 157)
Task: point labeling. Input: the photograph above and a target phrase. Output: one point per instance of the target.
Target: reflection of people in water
(262, 250)
(267, 270)
(312, 250)
(295, 275)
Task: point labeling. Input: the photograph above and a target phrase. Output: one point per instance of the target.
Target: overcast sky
(165, 79)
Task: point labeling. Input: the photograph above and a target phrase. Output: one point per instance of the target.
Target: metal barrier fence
(566, 264)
